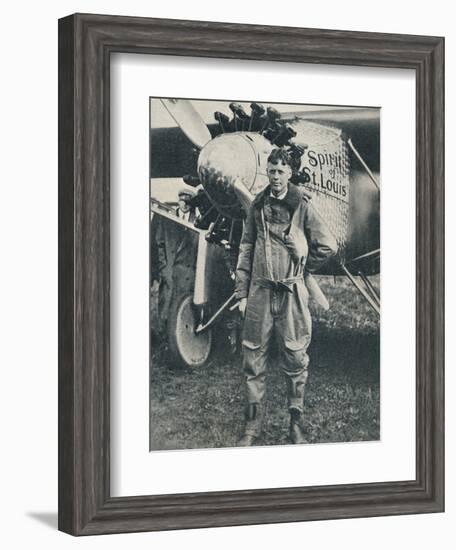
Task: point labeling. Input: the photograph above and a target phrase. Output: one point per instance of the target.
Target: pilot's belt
(281, 284)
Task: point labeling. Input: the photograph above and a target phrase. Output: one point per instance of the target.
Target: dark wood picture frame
(85, 45)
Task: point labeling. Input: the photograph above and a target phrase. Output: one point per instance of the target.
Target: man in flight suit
(283, 238)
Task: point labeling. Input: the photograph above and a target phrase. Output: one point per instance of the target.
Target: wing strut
(361, 160)
(368, 292)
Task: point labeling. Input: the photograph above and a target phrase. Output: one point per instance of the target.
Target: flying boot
(252, 425)
(296, 427)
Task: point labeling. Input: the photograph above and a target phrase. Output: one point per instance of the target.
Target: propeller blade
(189, 120)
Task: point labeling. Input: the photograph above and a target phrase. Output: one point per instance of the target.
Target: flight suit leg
(294, 366)
(257, 333)
(294, 334)
(258, 327)
(254, 362)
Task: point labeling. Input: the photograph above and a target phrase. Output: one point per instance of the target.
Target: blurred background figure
(173, 257)
(186, 211)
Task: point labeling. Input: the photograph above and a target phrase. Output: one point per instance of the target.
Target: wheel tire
(188, 349)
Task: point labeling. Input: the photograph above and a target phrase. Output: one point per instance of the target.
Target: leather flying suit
(281, 239)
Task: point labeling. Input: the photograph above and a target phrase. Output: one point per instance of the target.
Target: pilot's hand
(242, 306)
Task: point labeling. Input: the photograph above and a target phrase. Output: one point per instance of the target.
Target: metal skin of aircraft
(335, 156)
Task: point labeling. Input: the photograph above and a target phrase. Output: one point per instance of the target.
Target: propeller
(189, 120)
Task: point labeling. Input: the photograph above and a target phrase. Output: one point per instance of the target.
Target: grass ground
(204, 408)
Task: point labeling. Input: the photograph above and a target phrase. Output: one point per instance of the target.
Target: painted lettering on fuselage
(327, 173)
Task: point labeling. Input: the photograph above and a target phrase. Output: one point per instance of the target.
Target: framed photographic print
(232, 198)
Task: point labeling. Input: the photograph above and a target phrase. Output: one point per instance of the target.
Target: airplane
(335, 156)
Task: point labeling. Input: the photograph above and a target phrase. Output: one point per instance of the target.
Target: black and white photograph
(264, 273)
(225, 285)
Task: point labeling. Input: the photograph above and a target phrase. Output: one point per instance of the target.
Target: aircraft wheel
(190, 349)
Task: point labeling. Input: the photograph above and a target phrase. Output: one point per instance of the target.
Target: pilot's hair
(279, 155)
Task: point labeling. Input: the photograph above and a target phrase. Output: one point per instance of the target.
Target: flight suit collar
(292, 199)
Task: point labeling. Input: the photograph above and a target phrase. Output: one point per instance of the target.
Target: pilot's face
(278, 175)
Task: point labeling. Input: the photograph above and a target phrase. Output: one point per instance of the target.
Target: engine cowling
(230, 160)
